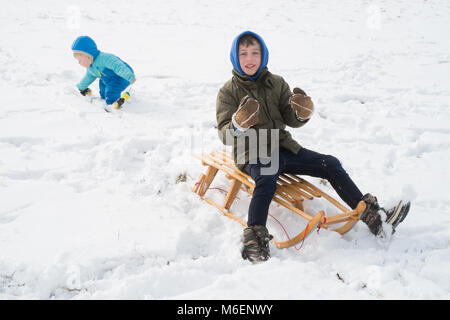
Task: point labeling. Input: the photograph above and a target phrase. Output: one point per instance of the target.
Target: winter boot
(256, 244)
(397, 214)
(370, 215)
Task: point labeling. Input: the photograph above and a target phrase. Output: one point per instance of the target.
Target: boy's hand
(86, 92)
(302, 104)
(246, 115)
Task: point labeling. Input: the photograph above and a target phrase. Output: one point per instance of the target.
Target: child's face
(250, 58)
(83, 60)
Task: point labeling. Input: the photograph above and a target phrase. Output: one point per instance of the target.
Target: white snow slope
(90, 207)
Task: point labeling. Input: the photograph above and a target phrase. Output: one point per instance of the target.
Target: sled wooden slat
(290, 193)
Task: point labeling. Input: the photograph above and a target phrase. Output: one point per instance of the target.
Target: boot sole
(395, 213)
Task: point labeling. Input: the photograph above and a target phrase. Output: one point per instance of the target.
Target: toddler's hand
(86, 92)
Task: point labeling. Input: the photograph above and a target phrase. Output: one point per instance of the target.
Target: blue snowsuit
(115, 75)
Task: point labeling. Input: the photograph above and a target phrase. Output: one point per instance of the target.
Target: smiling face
(83, 59)
(250, 57)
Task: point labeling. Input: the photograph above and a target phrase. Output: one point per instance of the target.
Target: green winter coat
(275, 112)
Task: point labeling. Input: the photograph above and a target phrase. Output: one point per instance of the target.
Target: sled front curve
(318, 219)
(290, 193)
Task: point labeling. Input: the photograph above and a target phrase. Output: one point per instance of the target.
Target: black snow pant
(305, 162)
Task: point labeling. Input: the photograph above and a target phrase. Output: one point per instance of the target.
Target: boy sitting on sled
(255, 99)
(115, 75)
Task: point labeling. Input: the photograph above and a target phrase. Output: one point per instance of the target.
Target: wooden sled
(290, 193)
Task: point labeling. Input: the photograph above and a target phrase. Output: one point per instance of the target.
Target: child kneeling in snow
(115, 75)
(258, 100)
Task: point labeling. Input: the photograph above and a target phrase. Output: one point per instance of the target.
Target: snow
(91, 204)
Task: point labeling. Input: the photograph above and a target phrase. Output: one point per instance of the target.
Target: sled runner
(291, 191)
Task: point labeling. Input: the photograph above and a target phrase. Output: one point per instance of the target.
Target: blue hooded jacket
(115, 75)
(234, 55)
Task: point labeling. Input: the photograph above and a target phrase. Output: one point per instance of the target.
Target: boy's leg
(102, 89)
(265, 187)
(256, 237)
(112, 94)
(114, 90)
(314, 164)
(307, 162)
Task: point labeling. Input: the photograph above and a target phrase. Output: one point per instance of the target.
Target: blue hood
(234, 55)
(87, 45)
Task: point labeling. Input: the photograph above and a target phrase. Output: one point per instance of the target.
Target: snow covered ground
(91, 204)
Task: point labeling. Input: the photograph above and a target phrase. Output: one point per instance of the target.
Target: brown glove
(302, 104)
(246, 115)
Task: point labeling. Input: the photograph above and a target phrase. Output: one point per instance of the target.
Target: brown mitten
(302, 104)
(246, 115)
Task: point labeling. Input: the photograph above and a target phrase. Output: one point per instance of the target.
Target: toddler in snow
(115, 75)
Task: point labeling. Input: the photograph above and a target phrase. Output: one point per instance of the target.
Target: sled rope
(287, 234)
(324, 222)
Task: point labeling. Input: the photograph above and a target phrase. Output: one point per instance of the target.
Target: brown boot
(370, 215)
(256, 244)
